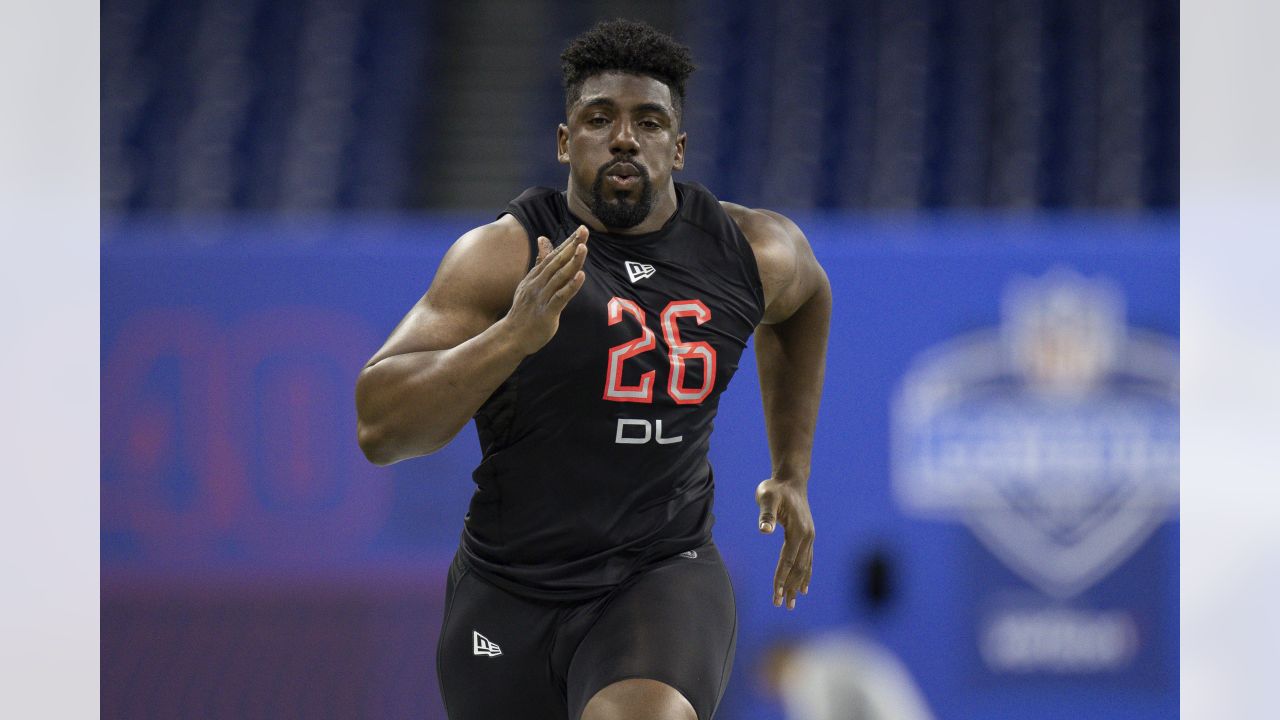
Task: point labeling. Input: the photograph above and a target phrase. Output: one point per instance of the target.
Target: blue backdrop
(235, 502)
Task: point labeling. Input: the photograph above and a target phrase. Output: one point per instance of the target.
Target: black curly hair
(626, 46)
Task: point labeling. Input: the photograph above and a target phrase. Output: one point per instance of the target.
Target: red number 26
(678, 354)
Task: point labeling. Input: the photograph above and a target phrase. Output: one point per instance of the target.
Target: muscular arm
(466, 335)
(791, 347)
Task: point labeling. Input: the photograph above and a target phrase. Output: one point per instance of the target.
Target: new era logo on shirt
(638, 271)
(481, 645)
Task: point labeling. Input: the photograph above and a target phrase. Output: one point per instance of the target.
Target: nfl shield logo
(1054, 438)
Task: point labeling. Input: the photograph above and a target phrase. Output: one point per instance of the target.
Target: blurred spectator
(846, 675)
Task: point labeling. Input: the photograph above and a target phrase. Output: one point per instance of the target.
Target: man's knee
(639, 699)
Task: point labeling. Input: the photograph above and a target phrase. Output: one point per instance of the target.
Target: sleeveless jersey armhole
(751, 267)
(710, 206)
(530, 237)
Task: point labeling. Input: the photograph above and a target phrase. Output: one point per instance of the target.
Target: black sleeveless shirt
(595, 449)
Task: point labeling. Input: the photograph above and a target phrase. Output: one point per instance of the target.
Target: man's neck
(664, 206)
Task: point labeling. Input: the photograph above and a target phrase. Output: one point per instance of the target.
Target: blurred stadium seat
(319, 105)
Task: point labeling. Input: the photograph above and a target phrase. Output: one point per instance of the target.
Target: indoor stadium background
(990, 184)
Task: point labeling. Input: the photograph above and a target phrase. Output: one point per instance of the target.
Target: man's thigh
(675, 623)
(492, 660)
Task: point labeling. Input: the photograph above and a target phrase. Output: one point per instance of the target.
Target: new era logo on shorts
(638, 271)
(481, 645)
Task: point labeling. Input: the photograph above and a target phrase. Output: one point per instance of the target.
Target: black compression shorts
(503, 656)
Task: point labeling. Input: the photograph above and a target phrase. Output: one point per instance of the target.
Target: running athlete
(590, 332)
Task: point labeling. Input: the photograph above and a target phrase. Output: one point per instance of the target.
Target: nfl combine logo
(481, 645)
(638, 271)
(1053, 437)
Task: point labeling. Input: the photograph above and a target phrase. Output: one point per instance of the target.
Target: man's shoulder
(788, 270)
(500, 238)
(759, 224)
(772, 237)
(489, 259)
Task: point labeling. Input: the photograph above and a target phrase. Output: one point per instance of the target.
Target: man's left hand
(788, 503)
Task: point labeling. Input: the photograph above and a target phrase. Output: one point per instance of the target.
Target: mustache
(644, 171)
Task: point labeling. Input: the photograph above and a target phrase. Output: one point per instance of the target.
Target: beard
(623, 211)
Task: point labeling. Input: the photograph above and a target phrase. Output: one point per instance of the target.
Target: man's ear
(678, 162)
(562, 144)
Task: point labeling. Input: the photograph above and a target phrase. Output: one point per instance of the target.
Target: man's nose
(624, 140)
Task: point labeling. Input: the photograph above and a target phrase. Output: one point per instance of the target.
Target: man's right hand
(483, 314)
(544, 292)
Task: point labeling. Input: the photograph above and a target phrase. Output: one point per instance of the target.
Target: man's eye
(652, 125)
(598, 121)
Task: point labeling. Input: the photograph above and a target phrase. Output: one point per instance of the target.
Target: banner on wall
(1054, 439)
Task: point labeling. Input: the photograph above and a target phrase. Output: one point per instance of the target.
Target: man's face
(622, 141)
